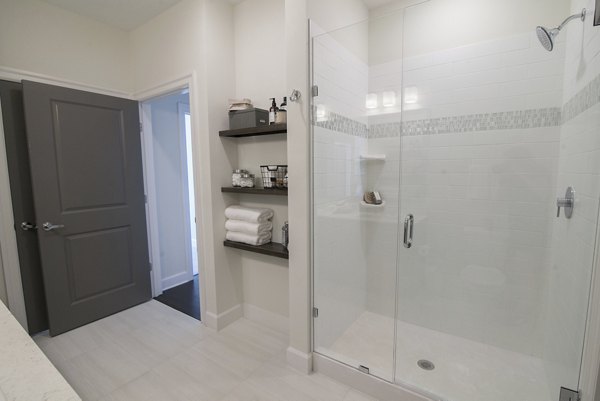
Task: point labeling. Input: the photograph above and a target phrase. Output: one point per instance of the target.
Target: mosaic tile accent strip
(520, 119)
(583, 100)
(339, 123)
(387, 130)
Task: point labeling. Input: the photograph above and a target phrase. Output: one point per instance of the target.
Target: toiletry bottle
(273, 111)
(281, 117)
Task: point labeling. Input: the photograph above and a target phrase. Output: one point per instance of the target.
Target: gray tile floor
(152, 352)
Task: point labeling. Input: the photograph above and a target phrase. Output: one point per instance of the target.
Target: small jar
(236, 177)
(281, 117)
(247, 180)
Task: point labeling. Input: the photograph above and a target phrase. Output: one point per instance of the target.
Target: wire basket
(273, 176)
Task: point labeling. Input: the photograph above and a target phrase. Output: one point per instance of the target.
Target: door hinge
(150, 264)
(315, 312)
(363, 369)
(141, 127)
(569, 395)
(315, 90)
(145, 198)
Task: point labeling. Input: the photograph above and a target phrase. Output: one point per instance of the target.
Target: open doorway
(171, 200)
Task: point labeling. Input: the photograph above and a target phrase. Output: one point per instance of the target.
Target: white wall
(335, 14)
(260, 74)
(260, 51)
(441, 24)
(45, 40)
(169, 161)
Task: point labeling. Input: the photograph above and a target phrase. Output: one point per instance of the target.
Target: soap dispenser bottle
(273, 111)
(281, 117)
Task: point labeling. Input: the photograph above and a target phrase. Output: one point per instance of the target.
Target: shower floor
(465, 370)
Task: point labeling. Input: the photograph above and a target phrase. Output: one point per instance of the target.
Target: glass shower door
(493, 293)
(354, 236)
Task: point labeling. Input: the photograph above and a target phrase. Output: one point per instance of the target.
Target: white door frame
(158, 281)
(182, 110)
(186, 82)
(150, 195)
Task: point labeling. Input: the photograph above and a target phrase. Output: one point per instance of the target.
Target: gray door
(86, 169)
(13, 117)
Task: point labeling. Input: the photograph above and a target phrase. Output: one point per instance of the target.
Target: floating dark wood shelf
(256, 191)
(255, 131)
(272, 248)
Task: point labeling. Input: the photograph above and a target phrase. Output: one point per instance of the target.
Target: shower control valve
(567, 203)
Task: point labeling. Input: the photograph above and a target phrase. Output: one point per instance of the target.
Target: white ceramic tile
(245, 361)
(465, 370)
(354, 395)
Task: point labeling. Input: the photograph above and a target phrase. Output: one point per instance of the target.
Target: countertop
(25, 372)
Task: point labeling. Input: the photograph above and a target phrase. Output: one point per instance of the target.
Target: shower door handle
(409, 222)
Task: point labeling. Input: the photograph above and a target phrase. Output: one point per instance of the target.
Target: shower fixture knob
(567, 203)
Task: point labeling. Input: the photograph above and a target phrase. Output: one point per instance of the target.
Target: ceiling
(123, 14)
(130, 14)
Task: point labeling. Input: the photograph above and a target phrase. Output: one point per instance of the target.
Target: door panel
(11, 97)
(86, 168)
(82, 158)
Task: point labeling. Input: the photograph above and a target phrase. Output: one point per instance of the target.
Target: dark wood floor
(185, 298)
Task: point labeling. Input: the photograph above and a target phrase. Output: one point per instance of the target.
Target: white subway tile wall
(573, 240)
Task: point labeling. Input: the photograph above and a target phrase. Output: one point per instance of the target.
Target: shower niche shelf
(372, 157)
(366, 205)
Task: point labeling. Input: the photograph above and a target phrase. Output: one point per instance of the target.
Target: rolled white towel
(248, 228)
(248, 239)
(249, 214)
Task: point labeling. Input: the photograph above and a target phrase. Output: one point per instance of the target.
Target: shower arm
(581, 16)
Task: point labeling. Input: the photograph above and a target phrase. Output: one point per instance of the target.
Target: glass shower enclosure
(439, 260)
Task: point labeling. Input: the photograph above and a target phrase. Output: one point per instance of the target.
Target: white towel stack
(248, 225)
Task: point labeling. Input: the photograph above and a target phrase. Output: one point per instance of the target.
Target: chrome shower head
(546, 36)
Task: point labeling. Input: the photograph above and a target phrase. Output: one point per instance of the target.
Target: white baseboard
(175, 280)
(299, 360)
(267, 318)
(368, 384)
(222, 320)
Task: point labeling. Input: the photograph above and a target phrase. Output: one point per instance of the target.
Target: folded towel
(251, 215)
(248, 239)
(248, 228)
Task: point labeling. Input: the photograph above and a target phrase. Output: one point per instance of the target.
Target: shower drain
(425, 364)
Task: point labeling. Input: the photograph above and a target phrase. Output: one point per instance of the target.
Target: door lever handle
(27, 226)
(47, 226)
